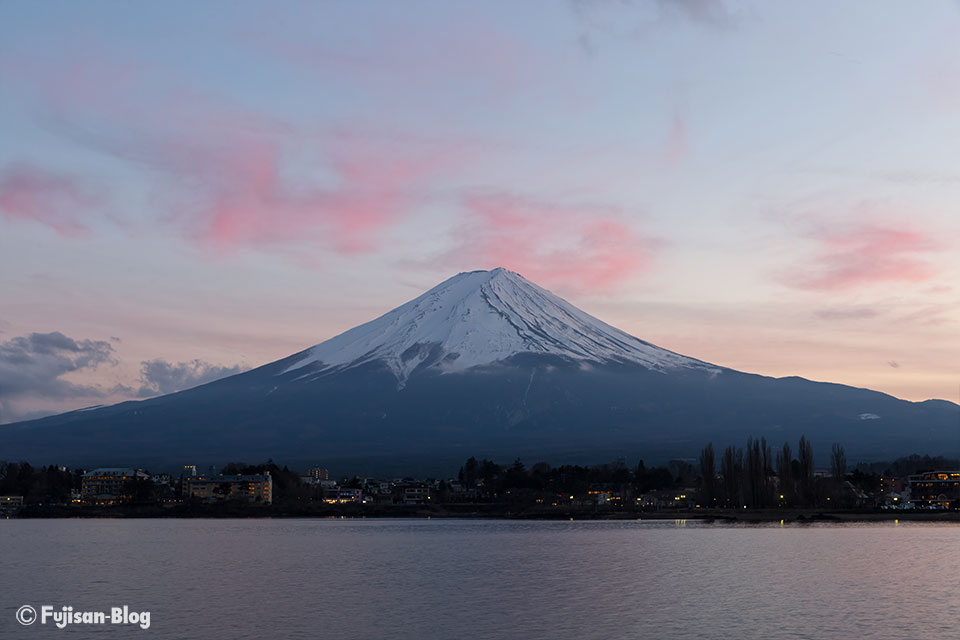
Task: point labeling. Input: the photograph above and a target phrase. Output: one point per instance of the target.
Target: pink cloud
(53, 199)
(225, 175)
(865, 255)
(583, 248)
(250, 203)
(230, 177)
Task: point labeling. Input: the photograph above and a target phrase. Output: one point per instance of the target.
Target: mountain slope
(481, 317)
(485, 363)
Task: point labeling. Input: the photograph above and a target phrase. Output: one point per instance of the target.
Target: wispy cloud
(865, 254)
(50, 198)
(582, 247)
(224, 175)
(234, 185)
(372, 184)
(847, 313)
(637, 19)
(711, 13)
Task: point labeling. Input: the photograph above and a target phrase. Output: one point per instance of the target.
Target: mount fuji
(479, 318)
(485, 363)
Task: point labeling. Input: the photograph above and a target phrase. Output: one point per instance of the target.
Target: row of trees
(758, 477)
(487, 479)
(38, 484)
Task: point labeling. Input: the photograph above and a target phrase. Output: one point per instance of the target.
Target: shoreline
(473, 511)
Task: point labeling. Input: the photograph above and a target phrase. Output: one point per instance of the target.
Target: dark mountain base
(535, 407)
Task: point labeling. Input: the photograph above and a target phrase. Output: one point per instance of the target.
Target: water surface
(398, 579)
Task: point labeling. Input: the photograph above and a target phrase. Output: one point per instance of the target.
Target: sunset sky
(190, 189)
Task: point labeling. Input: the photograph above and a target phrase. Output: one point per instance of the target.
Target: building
(341, 495)
(936, 489)
(890, 484)
(109, 485)
(163, 479)
(416, 494)
(604, 497)
(10, 504)
(318, 473)
(243, 488)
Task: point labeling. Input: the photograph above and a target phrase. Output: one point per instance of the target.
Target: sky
(189, 190)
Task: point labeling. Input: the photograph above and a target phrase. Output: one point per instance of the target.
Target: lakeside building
(416, 494)
(244, 488)
(341, 495)
(10, 504)
(602, 497)
(940, 489)
(162, 479)
(318, 474)
(109, 485)
(890, 484)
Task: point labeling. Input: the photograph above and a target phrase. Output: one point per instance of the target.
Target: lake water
(461, 579)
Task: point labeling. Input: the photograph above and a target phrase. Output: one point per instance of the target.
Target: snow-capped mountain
(486, 364)
(478, 318)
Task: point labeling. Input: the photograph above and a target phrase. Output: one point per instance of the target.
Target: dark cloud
(712, 13)
(158, 377)
(35, 365)
(33, 369)
(636, 19)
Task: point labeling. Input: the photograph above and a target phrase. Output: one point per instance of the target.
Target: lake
(460, 579)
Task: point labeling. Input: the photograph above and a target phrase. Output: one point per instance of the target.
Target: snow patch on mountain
(481, 317)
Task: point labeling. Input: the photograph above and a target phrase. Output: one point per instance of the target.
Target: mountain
(479, 318)
(485, 363)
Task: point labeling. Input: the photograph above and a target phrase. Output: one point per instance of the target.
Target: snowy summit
(479, 318)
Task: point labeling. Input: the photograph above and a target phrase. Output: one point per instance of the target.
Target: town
(754, 483)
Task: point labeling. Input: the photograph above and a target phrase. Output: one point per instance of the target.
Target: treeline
(756, 476)
(487, 479)
(908, 465)
(759, 477)
(38, 484)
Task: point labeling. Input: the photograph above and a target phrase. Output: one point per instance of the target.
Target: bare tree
(731, 468)
(805, 476)
(785, 472)
(754, 474)
(708, 475)
(838, 462)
